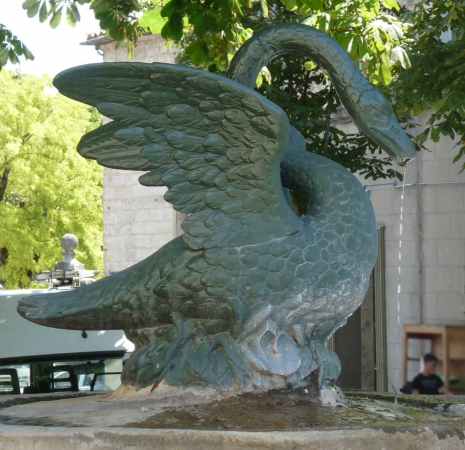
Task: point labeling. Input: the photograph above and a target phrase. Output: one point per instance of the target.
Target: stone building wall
(430, 287)
(137, 220)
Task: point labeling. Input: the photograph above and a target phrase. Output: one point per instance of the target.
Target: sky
(54, 49)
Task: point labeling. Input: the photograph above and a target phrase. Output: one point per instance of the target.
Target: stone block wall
(432, 265)
(137, 220)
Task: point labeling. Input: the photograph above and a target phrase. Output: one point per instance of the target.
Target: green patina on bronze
(278, 243)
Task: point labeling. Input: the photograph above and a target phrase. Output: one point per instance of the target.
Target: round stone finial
(70, 271)
(69, 242)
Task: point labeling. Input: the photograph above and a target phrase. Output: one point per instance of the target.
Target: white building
(429, 289)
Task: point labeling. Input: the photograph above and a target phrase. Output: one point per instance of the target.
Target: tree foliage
(11, 48)
(435, 83)
(380, 35)
(319, 115)
(46, 188)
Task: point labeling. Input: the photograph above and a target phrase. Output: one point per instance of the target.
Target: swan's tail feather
(89, 307)
(114, 302)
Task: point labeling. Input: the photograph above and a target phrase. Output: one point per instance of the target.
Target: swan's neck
(333, 203)
(305, 41)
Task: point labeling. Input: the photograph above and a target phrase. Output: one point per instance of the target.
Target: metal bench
(9, 379)
(71, 379)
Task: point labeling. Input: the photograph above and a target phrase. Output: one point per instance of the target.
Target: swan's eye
(375, 102)
(378, 111)
(380, 117)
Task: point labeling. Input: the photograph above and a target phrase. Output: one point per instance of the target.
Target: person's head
(430, 364)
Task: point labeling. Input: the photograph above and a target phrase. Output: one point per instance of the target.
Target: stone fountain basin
(200, 419)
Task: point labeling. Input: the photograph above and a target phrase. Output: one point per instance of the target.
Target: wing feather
(214, 143)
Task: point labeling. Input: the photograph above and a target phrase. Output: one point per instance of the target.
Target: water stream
(403, 170)
(400, 249)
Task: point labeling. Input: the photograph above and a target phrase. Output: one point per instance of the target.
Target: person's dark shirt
(427, 384)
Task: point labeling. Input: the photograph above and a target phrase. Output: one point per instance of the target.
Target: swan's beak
(394, 140)
(375, 117)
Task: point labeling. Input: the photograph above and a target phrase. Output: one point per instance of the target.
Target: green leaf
(291, 5)
(323, 21)
(391, 4)
(3, 56)
(385, 69)
(310, 65)
(76, 13)
(350, 45)
(13, 57)
(56, 18)
(27, 54)
(71, 15)
(116, 33)
(169, 9)
(422, 137)
(459, 155)
(315, 4)
(435, 134)
(264, 8)
(173, 29)
(31, 6)
(197, 52)
(43, 12)
(153, 21)
(29, 3)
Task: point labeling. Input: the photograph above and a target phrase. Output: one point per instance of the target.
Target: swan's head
(375, 117)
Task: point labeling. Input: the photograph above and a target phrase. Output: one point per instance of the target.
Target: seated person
(427, 382)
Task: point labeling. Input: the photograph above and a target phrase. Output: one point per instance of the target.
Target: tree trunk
(4, 182)
(3, 187)
(3, 255)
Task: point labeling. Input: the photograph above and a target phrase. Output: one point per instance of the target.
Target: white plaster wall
(433, 248)
(137, 220)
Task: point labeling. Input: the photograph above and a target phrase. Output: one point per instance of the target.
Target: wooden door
(361, 343)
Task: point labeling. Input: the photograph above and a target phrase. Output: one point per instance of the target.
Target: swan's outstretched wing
(216, 144)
